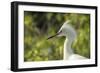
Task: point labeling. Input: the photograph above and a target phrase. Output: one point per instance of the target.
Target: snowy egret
(70, 34)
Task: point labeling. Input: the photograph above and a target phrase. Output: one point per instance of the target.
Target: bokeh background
(39, 25)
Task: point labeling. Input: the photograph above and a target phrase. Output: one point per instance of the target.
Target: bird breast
(76, 57)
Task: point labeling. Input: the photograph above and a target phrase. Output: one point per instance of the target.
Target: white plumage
(70, 34)
(75, 56)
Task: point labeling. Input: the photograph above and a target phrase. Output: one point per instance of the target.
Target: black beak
(53, 35)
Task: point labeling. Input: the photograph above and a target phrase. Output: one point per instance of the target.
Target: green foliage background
(39, 25)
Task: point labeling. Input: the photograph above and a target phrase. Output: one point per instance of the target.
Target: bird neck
(67, 48)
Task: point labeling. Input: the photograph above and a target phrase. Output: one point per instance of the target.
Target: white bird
(70, 34)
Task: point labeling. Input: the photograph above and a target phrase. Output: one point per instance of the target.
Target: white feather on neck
(68, 51)
(67, 48)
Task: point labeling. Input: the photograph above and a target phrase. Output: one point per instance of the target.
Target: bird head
(65, 30)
